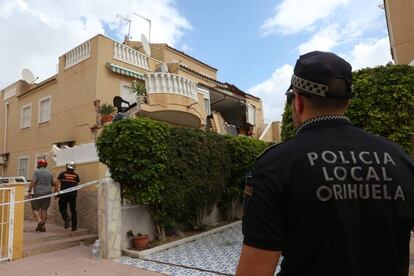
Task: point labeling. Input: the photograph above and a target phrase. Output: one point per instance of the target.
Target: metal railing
(7, 194)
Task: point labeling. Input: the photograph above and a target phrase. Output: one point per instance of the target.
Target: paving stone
(216, 254)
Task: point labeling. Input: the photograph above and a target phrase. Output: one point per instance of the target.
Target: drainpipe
(6, 109)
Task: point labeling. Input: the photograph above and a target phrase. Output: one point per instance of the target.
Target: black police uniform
(335, 200)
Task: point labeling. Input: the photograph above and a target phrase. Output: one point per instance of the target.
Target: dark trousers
(63, 207)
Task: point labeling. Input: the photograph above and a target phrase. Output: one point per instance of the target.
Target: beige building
(58, 120)
(400, 22)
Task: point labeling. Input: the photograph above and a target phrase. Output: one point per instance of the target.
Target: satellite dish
(164, 68)
(146, 45)
(411, 63)
(28, 76)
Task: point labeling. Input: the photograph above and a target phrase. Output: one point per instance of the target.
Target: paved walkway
(75, 261)
(216, 254)
(52, 230)
(213, 255)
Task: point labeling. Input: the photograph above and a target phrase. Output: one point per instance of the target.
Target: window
(23, 166)
(207, 106)
(40, 156)
(26, 116)
(127, 93)
(251, 114)
(44, 110)
(206, 95)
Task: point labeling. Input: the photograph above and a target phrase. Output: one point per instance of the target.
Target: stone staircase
(55, 238)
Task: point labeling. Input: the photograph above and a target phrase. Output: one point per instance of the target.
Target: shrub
(179, 173)
(288, 130)
(243, 151)
(197, 170)
(106, 109)
(384, 103)
(135, 151)
(139, 88)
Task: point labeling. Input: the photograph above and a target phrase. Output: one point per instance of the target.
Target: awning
(124, 71)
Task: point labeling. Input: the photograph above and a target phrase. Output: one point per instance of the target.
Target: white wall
(138, 219)
(84, 153)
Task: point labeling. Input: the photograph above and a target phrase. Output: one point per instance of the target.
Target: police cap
(318, 73)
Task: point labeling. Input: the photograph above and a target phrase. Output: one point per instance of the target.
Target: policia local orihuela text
(359, 168)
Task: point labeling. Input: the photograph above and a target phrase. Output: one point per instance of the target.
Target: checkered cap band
(309, 86)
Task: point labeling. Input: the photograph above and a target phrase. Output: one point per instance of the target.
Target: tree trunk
(160, 232)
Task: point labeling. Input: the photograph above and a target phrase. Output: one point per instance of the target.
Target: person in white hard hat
(68, 179)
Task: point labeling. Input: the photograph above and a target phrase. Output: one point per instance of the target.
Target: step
(53, 245)
(53, 235)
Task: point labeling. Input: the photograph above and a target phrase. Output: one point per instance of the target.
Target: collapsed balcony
(230, 114)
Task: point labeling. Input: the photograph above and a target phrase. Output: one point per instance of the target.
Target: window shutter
(250, 114)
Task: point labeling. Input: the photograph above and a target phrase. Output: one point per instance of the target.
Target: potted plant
(106, 111)
(139, 89)
(140, 241)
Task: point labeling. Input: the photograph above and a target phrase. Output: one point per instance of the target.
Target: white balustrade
(78, 54)
(172, 84)
(130, 55)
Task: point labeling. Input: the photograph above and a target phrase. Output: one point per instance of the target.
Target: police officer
(68, 179)
(333, 200)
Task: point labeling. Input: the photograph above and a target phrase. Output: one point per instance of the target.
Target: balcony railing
(130, 55)
(77, 54)
(170, 83)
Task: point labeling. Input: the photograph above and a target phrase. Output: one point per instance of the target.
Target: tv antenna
(149, 24)
(28, 76)
(126, 19)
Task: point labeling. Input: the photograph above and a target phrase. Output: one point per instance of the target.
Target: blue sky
(227, 35)
(253, 44)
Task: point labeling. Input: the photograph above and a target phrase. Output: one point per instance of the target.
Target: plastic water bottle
(96, 248)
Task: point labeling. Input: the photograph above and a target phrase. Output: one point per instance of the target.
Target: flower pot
(141, 242)
(106, 119)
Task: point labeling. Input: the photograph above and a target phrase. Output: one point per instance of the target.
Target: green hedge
(197, 170)
(288, 130)
(134, 150)
(179, 173)
(383, 104)
(243, 152)
(136, 153)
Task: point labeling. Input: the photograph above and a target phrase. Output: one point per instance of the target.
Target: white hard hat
(71, 165)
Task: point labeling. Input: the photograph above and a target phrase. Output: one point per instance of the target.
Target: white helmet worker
(71, 165)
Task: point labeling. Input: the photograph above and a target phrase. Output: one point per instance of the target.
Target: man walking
(334, 200)
(68, 179)
(42, 183)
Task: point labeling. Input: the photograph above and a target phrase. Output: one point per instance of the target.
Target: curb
(145, 253)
